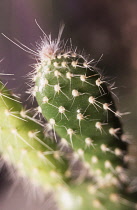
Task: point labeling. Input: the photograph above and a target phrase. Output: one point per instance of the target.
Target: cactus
(23, 144)
(74, 97)
(34, 156)
(77, 101)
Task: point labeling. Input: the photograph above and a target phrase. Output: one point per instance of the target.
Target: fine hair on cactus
(79, 105)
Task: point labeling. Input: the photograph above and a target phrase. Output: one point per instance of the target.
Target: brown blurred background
(99, 27)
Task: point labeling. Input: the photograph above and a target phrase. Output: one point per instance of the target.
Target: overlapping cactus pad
(22, 143)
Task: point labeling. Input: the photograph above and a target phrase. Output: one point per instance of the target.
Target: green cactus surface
(37, 158)
(89, 197)
(23, 144)
(76, 100)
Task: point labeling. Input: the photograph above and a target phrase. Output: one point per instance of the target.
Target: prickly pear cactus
(75, 98)
(77, 101)
(23, 144)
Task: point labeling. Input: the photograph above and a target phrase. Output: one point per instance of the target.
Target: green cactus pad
(23, 144)
(77, 102)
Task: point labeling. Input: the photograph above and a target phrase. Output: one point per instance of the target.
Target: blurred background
(99, 27)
